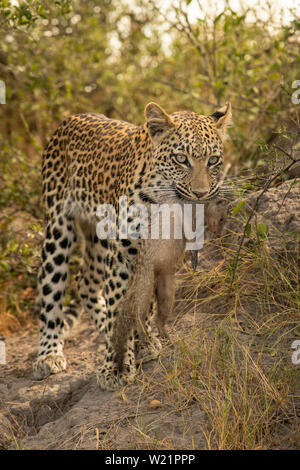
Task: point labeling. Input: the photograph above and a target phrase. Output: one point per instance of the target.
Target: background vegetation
(112, 57)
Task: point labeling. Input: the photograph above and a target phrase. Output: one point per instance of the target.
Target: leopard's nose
(200, 194)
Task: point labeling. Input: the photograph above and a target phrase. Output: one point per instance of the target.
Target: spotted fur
(91, 160)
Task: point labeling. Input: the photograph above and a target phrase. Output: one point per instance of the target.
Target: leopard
(90, 161)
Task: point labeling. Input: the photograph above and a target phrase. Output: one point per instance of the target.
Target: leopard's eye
(182, 159)
(213, 160)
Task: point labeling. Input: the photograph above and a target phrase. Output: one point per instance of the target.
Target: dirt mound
(278, 209)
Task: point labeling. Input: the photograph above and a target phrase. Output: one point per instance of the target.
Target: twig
(188, 30)
(265, 188)
(224, 174)
(282, 150)
(196, 97)
(189, 93)
(286, 195)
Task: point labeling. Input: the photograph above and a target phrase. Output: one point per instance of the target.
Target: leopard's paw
(111, 379)
(48, 365)
(148, 350)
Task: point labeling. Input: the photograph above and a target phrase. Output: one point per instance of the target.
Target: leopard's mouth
(190, 198)
(173, 194)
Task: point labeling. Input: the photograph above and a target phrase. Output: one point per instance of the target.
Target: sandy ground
(69, 411)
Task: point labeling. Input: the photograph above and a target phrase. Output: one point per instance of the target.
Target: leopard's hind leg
(60, 238)
(90, 282)
(147, 344)
(119, 360)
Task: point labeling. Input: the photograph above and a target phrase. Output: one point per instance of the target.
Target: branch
(282, 150)
(265, 188)
(196, 97)
(185, 92)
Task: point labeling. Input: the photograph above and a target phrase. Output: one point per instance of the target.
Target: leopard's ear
(223, 119)
(159, 123)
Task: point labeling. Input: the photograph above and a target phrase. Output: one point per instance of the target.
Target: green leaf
(248, 228)
(238, 207)
(248, 186)
(217, 18)
(262, 230)
(4, 266)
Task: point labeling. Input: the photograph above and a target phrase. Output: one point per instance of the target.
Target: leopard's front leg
(119, 366)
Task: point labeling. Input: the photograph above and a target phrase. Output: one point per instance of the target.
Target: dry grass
(233, 359)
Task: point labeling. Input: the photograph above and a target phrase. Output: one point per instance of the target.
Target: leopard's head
(187, 152)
